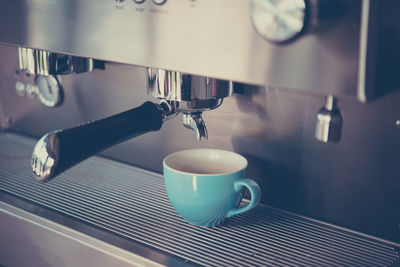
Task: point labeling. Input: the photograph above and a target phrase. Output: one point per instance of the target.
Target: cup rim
(240, 168)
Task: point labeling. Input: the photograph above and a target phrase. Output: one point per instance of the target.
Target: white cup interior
(205, 161)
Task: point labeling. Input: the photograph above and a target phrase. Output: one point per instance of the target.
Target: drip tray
(130, 204)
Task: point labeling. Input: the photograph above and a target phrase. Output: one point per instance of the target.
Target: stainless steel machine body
(335, 53)
(279, 86)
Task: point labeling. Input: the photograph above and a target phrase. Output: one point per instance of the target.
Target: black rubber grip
(73, 145)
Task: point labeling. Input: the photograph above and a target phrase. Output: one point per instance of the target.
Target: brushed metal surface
(130, 202)
(354, 183)
(208, 38)
(30, 240)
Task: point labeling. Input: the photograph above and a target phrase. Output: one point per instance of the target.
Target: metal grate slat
(132, 202)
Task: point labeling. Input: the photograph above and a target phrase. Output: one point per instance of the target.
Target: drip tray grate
(132, 203)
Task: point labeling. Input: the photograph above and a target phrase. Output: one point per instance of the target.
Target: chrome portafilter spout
(195, 122)
(191, 94)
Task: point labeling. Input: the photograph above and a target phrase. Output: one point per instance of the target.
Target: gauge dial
(49, 90)
(279, 20)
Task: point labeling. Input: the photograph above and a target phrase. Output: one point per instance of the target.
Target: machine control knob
(279, 20)
(159, 2)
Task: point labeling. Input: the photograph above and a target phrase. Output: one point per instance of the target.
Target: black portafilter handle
(59, 150)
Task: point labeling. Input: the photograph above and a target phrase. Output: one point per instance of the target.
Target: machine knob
(279, 20)
(159, 2)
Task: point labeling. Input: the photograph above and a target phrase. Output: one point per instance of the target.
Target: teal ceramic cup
(206, 186)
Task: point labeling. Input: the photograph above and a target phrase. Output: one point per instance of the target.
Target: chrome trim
(35, 61)
(366, 86)
(177, 86)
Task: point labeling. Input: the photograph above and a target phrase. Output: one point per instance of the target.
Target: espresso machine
(95, 93)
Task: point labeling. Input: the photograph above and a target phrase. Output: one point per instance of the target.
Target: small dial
(49, 90)
(279, 20)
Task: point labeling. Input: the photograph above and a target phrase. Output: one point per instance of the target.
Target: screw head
(31, 90)
(20, 89)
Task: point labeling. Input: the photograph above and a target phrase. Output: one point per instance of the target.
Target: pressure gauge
(49, 90)
(279, 20)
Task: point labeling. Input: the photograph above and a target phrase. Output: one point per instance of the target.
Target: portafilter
(188, 94)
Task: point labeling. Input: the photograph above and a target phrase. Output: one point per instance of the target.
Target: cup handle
(255, 194)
